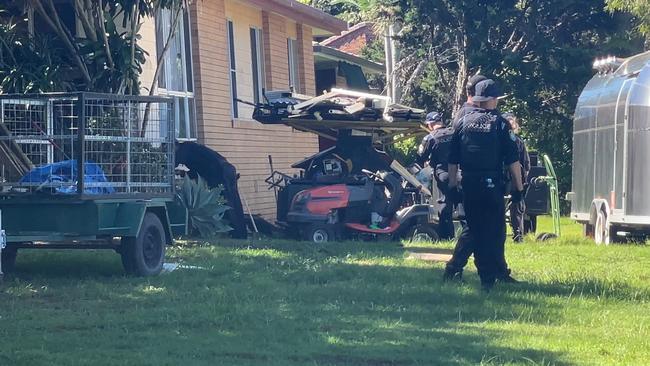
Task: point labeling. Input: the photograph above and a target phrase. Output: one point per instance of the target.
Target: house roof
(332, 54)
(305, 14)
(353, 39)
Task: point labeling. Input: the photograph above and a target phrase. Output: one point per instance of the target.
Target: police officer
(517, 210)
(435, 150)
(481, 145)
(433, 122)
(468, 106)
(465, 246)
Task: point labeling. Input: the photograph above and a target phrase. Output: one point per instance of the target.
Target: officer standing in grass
(435, 150)
(517, 211)
(482, 144)
(465, 246)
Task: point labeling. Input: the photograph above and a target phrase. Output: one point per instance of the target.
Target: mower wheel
(9, 260)
(319, 234)
(424, 233)
(144, 255)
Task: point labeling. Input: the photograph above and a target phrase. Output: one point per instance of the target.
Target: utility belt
(496, 176)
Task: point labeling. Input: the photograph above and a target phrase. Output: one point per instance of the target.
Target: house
(223, 56)
(226, 52)
(340, 62)
(239, 49)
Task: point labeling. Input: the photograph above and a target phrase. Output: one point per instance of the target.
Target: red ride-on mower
(370, 209)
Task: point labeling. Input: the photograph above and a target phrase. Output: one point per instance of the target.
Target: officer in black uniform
(468, 105)
(435, 150)
(517, 211)
(465, 246)
(433, 121)
(481, 145)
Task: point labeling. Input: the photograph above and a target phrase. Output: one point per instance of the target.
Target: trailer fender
(596, 206)
(161, 212)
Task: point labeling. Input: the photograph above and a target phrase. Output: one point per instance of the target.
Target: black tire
(144, 255)
(9, 260)
(546, 236)
(319, 234)
(424, 232)
(613, 235)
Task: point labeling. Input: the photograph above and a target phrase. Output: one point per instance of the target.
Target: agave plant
(205, 206)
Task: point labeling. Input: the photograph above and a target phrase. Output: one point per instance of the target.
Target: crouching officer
(481, 145)
(434, 150)
(433, 122)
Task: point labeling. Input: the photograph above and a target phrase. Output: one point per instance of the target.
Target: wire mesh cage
(120, 144)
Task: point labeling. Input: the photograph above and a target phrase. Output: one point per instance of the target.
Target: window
(233, 70)
(176, 75)
(257, 60)
(294, 78)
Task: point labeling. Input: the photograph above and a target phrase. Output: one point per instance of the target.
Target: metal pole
(81, 132)
(3, 244)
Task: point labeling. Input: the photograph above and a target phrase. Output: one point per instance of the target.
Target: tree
(540, 52)
(106, 57)
(639, 8)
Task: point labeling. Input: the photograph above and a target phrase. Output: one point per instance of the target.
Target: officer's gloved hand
(517, 196)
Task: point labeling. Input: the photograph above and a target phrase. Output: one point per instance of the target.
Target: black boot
(508, 279)
(487, 285)
(452, 276)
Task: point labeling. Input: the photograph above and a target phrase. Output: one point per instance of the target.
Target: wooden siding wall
(244, 142)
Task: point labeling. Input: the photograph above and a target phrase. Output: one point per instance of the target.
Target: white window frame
(257, 58)
(186, 96)
(232, 65)
(294, 64)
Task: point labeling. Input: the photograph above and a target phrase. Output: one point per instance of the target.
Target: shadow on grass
(291, 303)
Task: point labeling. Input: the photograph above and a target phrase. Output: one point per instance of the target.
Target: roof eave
(337, 55)
(302, 13)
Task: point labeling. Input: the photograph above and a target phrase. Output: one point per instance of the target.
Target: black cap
(433, 117)
(486, 90)
(471, 84)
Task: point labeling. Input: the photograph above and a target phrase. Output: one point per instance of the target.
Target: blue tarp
(62, 176)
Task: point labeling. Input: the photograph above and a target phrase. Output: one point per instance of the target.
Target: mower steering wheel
(371, 174)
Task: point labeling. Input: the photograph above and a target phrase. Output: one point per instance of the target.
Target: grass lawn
(289, 303)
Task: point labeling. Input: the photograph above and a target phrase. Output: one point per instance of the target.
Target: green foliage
(404, 151)
(374, 51)
(540, 52)
(107, 59)
(640, 9)
(30, 64)
(126, 69)
(206, 207)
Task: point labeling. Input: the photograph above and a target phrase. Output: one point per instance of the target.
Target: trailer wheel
(601, 229)
(144, 255)
(9, 260)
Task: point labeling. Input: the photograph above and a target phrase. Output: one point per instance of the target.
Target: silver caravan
(611, 151)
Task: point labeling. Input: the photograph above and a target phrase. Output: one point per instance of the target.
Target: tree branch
(80, 10)
(107, 47)
(65, 36)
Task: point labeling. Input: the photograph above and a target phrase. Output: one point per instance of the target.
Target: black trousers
(485, 232)
(517, 218)
(445, 220)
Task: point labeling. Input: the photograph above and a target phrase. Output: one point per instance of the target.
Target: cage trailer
(87, 170)
(611, 150)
